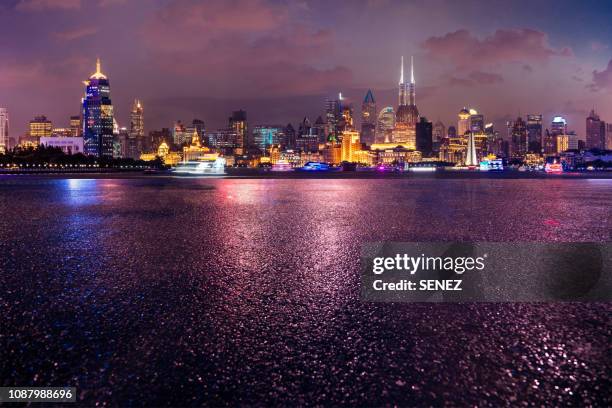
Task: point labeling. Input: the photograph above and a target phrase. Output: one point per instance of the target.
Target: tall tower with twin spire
(97, 110)
(407, 112)
(402, 86)
(411, 86)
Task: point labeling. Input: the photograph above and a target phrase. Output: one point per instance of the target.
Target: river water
(162, 291)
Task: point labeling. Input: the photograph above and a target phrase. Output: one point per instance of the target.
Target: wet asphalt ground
(189, 292)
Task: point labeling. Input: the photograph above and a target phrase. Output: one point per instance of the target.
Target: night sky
(278, 60)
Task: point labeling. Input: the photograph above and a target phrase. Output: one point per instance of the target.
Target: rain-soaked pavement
(246, 292)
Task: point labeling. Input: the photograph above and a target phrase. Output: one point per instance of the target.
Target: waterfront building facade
(98, 118)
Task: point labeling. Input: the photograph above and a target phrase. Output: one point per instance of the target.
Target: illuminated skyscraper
(558, 126)
(265, 136)
(333, 116)
(407, 114)
(4, 130)
(476, 122)
(137, 120)
(350, 144)
(290, 140)
(97, 116)
(518, 136)
(307, 139)
(76, 127)
(385, 124)
(200, 127)
(463, 124)
(238, 123)
(319, 128)
(40, 126)
(180, 135)
(347, 122)
(595, 132)
(368, 119)
(534, 133)
(136, 134)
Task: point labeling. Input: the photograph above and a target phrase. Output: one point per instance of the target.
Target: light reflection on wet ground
(199, 291)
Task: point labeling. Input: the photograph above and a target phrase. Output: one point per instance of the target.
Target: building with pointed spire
(402, 86)
(470, 156)
(97, 113)
(368, 119)
(4, 130)
(407, 114)
(136, 142)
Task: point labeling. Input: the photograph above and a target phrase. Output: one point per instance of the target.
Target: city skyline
(535, 67)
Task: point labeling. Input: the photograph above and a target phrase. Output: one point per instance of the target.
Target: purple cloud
(602, 79)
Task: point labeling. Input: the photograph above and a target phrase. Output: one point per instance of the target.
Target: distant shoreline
(250, 173)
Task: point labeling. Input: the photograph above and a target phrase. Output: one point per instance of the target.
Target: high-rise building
(179, 134)
(319, 129)
(137, 120)
(238, 123)
(494, 141)
(222, 139)
(350, 144)
(347, 123)
(40, 126)
(534, 133)
(136, 132)
(290, 139)
(463, 124)
(518, 135)
(424, 136)
(4, 131)
(307, 139)
(368, 119)
(333, 116)
(452, 131)
(476, 122)
(549, 141)
(558, 126)
(76, 127)
(265, 136)
(608, 135)
(595, 132)
(566, 142)
(97, 116)
(438, 131)
(407, 114)
(385, 124)
(200, 127)
(123, 145)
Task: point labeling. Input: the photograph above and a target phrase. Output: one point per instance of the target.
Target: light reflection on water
(253, 287)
